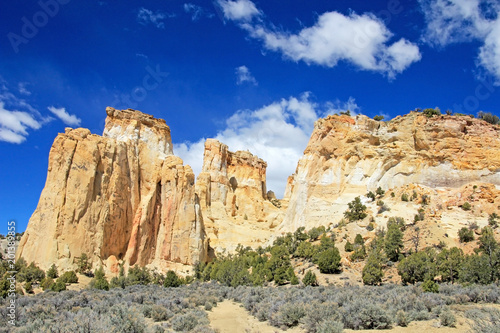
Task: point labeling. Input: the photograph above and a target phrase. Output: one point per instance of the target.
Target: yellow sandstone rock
(121, 196)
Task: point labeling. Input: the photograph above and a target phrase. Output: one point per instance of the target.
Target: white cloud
(458, 21)
(362, 40)
(147, 16)
(68, 119)
(489, 53)
(239, 10)
(196, 11)
(22, 89)
(243, 75)
(14, 125)
(278, 133)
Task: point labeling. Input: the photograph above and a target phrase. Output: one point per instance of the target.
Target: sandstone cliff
(346, 157)
(232, 191)
(122, 196)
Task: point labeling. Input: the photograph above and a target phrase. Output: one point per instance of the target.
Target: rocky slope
(346, 157)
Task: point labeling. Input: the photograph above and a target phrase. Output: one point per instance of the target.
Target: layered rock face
(122, 196)
(346, 157)
(232, 191)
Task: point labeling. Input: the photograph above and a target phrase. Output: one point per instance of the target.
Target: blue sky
(254, 74)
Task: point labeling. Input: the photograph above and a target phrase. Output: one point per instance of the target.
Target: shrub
(47, 283)
(378, 118)
(118, 282)
(58, 286)
(187, 322)
(492, 220)
(31, 273)
(357, 211)
(208, 306)
(305, 250)
(447, 318)
(83, 264)
(374, 317)
(138, 275)
(310, 279)
(371, 195)
(393, 243)
(329, 261)
(417, 267)
(486, 320)
(124, 319)
(466, 206)
(431, 112)
(402, 319)
(348, 247)
(465, 235)
(52, 272)
(314, 233)
(171, 280)
(28, 288)
(160, 313)
(290, 314)
(330, 326)
(429, 286)
(101, 284)
(449, 263)
(380, 192)
(475, 269)
(372, 271)
(358, 240)
(404, 197)
(488, 117)
(69, 277)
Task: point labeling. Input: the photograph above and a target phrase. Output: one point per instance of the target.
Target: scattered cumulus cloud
(278, 133)
(14, 124)
(196, 11)
(18, 117)
(458, 21)
(243, 75)
(147, 16)
(362, 40)
(68, 119)
(239, 10)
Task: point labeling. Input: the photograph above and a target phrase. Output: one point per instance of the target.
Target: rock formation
(346, 157)
(232, 191)
(122, 196)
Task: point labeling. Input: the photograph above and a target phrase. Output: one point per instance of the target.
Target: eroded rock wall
(346, 157)
(122, 196)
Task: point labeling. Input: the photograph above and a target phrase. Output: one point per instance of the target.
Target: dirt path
(229, 317)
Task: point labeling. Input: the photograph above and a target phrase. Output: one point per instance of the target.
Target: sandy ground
(230, 317)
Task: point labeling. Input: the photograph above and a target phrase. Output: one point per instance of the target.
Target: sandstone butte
(124, 197)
